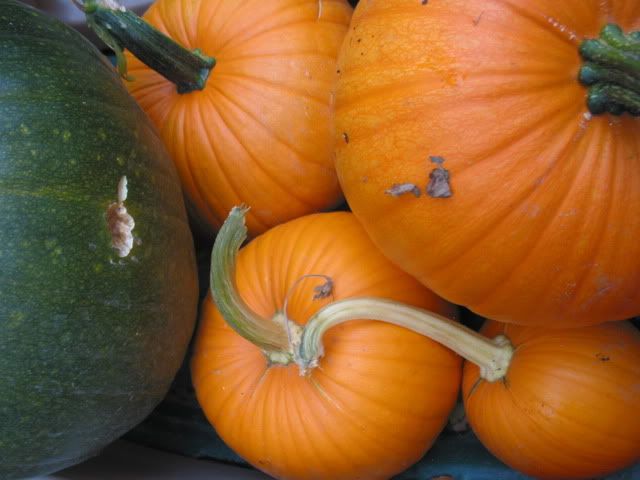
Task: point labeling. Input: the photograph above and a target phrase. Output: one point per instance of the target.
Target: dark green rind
(89, 342)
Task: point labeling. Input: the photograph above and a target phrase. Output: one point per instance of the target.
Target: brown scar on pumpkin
(439, 186)
(323, 291)
(398, 189)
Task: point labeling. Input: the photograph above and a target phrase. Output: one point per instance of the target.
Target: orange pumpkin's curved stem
(122, 29)
(612, 71)
(304, 345)
(491, 355)
(275, 336)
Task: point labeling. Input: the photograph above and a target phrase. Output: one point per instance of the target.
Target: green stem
(269, 335)
(122, 29)
(284, 341)
(611, 71)
(492, 356)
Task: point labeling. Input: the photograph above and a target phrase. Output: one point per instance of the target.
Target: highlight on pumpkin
(533, 387)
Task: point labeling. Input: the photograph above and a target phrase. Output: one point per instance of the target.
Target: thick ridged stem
(611, 72)
(122, 29)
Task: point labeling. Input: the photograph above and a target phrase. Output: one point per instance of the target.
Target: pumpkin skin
(381, 393)
(566, 408)
(89, 341)
(259, 133)
(542, 225)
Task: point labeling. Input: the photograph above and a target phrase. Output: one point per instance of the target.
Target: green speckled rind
(89, 341)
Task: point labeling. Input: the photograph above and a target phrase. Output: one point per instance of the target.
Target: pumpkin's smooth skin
(544, 217)
(567, 407)
(89, 341)
(260, 132)
(381, 393)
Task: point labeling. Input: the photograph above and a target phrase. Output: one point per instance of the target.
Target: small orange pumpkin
(256, 129)
(566, 407)
(479, 162)
(373, 404)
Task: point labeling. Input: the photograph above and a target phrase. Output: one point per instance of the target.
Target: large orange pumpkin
(567, 406)
(259, 131)
(377, 399)
(467, 150)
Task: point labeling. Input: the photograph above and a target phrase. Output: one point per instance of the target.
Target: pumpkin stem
(612, 71)
(270, 335)
(493, 356)
(284, 341)
(122, 29)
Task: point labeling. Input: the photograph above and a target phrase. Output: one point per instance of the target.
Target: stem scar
(120, 222)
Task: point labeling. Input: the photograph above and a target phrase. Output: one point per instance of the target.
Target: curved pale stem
(492, 356)
(273, 336)
(268, 335)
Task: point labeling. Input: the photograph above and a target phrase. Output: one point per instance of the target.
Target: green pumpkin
(95, 316)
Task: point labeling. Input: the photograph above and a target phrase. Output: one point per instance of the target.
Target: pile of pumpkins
(390, 163)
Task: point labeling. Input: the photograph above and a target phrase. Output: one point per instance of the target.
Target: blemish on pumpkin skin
(345, 136)
(120, 223)
(564, 29)
(323, 291)
(602, 357)
(439, 186)
(398, 189)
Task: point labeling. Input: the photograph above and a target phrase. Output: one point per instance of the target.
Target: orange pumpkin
(567, 405)
(377, 399)
(258, 131)
(467, 149)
